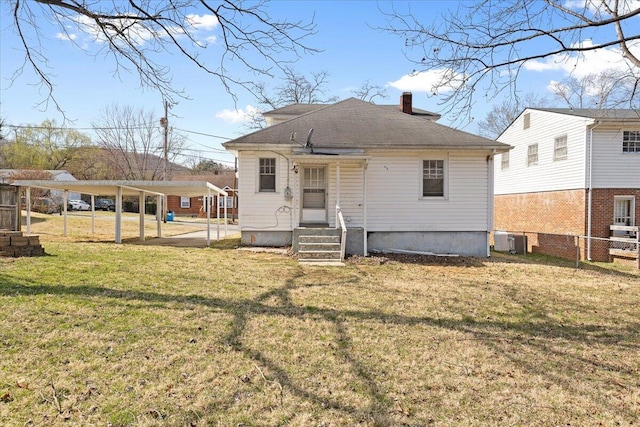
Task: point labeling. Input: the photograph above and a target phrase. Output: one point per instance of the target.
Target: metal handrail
(343, 238)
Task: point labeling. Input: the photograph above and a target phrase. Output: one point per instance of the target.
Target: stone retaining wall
(15, 244)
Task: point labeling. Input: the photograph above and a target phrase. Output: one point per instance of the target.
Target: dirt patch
(380, 259)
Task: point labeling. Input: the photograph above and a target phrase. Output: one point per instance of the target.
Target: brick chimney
(405, 103)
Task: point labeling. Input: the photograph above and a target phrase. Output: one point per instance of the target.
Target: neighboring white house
(570, 173)
(7, 175)
(402, 181)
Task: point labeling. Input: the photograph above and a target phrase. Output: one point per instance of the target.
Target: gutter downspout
(590, 187)
(490, 197)
(337, 190)
(364, 206)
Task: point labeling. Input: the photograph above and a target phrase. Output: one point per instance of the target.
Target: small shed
(9, 208)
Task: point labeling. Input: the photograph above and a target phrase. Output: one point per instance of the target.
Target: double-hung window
(267, 175)
(225, 200)
(631, 141)
(504, 164)
(560, 148)
(623, 210)
(185, 202)
(532, 154)
(433, 176)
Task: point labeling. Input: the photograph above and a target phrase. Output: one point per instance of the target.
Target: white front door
(314, 195)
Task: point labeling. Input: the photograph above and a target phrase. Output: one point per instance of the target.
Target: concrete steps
(318, 246)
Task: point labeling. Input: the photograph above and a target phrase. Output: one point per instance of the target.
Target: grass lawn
(96, 333)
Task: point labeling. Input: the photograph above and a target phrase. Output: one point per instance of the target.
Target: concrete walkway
(195, 239)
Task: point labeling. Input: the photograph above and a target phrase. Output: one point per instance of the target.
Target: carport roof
(103, 187)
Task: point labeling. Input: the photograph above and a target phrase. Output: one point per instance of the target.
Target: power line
(204, 134)
(141, 126)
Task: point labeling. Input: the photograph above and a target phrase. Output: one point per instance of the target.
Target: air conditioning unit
(519, 244)
(501, 241)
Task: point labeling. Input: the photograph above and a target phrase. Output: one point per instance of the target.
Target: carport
(126, 188)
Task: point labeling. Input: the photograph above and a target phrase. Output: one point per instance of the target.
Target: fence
(623, 244)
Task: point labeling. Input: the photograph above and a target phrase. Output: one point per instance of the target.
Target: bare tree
(295, 89)
(481, 48)
(134, 142)
(135, 34)
(604, 90)
(501, 115)
(92, 163)
(369, 92)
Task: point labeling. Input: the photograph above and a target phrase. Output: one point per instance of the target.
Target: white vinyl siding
(547, 175)
(263, 211)
(613, 168)
(394, 202)
(351, 194)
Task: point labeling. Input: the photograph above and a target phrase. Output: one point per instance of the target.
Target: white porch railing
(343, 238)
(625, 242)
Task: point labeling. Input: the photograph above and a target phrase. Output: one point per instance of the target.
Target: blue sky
(353, 51)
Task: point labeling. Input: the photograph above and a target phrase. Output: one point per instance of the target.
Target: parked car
(78, 205)
(45, 205)
(106, 205)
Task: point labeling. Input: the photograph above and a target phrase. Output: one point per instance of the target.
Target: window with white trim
(504, 160)
(624, 210)
(267, 175)
(532, 154)
(631, 141)
(225, 200)
(526, 122)
(433, 178)
(560, 148)
(185, 202)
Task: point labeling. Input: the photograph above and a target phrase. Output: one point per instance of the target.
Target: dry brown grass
(105, 334)
(79, 226)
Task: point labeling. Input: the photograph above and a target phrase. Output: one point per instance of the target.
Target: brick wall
(602, 217)
(549, 219)
(195, 208)
(552, 219)
(553, 212)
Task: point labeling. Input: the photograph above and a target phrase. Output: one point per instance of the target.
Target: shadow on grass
(547, 260)
(34, 220)
(539, 334)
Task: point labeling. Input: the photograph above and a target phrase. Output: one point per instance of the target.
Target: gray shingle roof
(299, 109)
(592, 113)
(353, 123)
(294, 109)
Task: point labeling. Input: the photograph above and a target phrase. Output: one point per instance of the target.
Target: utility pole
(164, 122)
